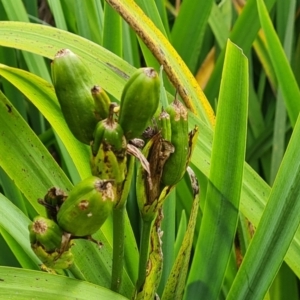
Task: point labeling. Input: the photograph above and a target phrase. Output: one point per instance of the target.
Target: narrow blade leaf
(221, 207)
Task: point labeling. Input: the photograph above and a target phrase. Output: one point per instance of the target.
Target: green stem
(118, 247)
(144, 252)
(119, 213)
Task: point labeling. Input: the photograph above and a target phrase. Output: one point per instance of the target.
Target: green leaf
(151, 11)
(112, 32)
(176, 282)
(29, 163)
(68, 14)
(27, 284)
(7, 244)
(180, 232)
(275, 231)
(58, 14)
(94, 264)
(168, 239)
(284, 73)
(280, 115)
(94, 17)
(154, 262)
(16, 12)
(109, 71)
(285, 285)
(255, 190)
(46, 41)
(42, 95)
(161, 7)
(218, 25)
(177, 71)
(221, 209)
(12, 192)
(15, 224)
(260, 47)
(130, 46)
(82, 17)
(188, 30)
(8, 56)
(243, 34)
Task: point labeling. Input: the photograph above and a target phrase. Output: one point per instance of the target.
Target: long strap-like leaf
(221, 209)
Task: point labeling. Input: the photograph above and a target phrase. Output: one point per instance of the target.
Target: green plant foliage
(223, 192)
(235, 66)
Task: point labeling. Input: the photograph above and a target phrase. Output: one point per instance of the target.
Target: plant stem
(144, 252)
(118, 247)
(119, 230)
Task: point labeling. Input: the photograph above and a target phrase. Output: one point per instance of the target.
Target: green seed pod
(54, 260)
(46, 233)
(102, 101)
(108, 160)
(164, 123)
(53, 201)
(107, 165)
(109, 132)
(72, 82)
(89, 204)
(139, 102)
(175, 165)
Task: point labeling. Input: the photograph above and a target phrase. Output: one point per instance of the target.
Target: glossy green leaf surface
(243, 34)
(112, 32)
(286, 25)
(160, 47)
(33, 169)
(42, 95)
(15, 223)
(26, 284)
(109, 71)
(275, 231)
(16, 12)
(284, 73)
(58, 14)
(189, 27)
(225, 180)
(175, 285)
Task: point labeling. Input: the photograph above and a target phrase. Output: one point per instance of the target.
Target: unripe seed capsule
(108, 131)
(87, 207)
(139, 102)
(46, 233)
(165, 125)
(72, 82)
(175, 165)
(53, 201)
(102, 101)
